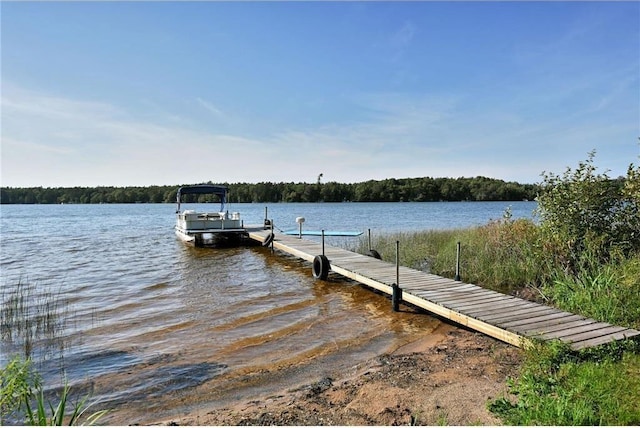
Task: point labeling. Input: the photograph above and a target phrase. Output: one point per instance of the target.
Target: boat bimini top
(203, 189)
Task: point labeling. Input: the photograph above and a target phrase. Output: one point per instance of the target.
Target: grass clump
(610, 292)
(32, 320)
(560, 387)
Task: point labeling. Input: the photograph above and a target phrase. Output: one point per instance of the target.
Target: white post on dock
(299, 220)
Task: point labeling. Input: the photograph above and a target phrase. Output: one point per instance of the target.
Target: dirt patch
(447, 378)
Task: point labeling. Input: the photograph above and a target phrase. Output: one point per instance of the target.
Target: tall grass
(32, 320)
(610, 292)
(500, 255)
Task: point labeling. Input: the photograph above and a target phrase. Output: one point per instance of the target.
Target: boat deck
(507, 318)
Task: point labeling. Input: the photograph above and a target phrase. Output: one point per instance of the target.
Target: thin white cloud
(210, 107)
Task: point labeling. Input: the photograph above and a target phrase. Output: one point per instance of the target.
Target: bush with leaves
(586, 215)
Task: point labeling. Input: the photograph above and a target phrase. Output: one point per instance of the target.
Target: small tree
(588, 216)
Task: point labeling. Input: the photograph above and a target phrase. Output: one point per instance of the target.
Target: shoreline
(446, 377)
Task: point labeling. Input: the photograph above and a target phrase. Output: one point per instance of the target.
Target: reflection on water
(155, 327)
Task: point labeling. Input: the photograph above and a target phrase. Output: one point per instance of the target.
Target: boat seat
(212, 216)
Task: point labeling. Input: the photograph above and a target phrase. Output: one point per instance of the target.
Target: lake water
(153, 328)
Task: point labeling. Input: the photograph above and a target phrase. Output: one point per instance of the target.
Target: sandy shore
(445, 378)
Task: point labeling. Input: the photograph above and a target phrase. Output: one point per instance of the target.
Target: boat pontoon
(207, 228)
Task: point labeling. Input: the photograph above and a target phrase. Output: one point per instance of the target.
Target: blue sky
(144, 93)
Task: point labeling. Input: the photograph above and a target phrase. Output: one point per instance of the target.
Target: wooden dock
(507, 318)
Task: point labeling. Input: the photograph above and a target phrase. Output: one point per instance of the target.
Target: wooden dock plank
(506, 318)
(501, 309)
(555, 324)
(453, 301)
(493, 302)
(565, 323)
(519, 314)
(495, 306)
(567, 332)
(480, 304)
(467, 295)
(589, 343)
(431, 283)
(518, 325)
(427, 288)
(592, 334)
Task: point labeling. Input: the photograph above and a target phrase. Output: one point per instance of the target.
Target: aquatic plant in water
(32, 322)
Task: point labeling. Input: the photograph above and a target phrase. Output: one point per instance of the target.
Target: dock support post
(266, 218)
(369, 233)
(396, 297)
(272, 249)
(457, 277)
(397, 262)
(323, 242)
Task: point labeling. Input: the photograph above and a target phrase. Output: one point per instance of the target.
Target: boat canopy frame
(203, 189)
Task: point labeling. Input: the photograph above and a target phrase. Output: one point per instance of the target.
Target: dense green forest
(389, 190)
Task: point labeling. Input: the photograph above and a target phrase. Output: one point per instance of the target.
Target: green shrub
(583, 211)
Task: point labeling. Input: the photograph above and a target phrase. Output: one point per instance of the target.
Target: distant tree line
(390, 190)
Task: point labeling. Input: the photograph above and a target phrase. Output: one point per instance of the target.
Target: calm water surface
(153, 327)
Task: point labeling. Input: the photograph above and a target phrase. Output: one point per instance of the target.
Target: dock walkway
(504, 317)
